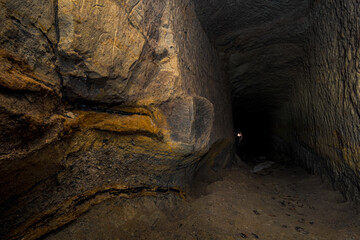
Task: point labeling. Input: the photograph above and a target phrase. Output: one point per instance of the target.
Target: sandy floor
(283, 202)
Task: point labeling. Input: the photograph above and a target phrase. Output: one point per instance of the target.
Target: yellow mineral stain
(147, 128)
(116, 123)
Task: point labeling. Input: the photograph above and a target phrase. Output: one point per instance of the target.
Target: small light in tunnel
(239, 137)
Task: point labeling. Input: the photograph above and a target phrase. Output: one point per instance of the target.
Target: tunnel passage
(263, 46)
(293, 68)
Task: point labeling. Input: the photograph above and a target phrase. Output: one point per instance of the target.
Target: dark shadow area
(255, 128)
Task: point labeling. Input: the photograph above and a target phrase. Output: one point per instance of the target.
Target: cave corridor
(119, 119)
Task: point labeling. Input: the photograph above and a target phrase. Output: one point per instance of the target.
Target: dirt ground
(281, 202)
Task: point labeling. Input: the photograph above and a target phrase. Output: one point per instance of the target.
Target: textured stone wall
(325, 104)
(99, 99)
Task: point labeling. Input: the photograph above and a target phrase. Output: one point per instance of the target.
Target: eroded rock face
(99, 41)
(101, 99)
(319, 125)
(325, 109)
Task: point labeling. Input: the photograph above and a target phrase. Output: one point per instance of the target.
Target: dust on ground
(280, 202)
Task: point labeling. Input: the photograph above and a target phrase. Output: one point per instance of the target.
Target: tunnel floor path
(282, 202)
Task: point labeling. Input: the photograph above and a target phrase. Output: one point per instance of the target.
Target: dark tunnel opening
(255, 128)
(257, 119)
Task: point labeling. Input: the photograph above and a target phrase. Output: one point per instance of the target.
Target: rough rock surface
(101, 99)
(325, 104)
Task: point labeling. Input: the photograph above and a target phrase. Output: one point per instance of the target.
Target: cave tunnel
(264, 48)
(118, 119)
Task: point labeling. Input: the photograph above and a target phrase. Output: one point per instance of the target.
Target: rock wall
(103, 98)
(324, 111)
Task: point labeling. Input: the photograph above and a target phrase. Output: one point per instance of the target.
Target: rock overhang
(136, 103)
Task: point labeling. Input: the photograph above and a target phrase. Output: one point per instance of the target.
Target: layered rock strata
(101, 99)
